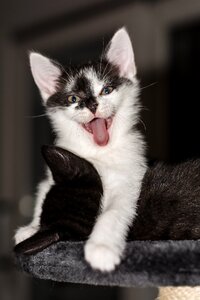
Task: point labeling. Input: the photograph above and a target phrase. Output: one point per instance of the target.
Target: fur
(168, 206)
(169, 203)
(120, 161)
(72, 204)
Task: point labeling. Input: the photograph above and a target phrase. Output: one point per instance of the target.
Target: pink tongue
(99, 130)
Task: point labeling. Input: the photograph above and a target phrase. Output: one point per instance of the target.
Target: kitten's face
(89, 95)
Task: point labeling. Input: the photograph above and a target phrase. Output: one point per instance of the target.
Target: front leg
(106, 244)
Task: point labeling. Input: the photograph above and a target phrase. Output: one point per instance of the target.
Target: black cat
(168, 207)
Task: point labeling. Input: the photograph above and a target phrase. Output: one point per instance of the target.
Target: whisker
(123, 118)
(65, 71)
(105, 70)
(142, 122)
(101, 56)
(151, 84)
(111, 69)
(143, 108)
(37, 116)
(108, 73)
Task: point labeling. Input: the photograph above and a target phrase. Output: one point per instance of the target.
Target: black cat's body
(168, 207)
(169, 204)
(72, 204)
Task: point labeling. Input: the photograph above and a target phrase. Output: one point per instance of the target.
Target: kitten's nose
(93, 107)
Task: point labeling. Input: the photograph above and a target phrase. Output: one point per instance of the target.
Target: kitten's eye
(73, 98)
(106, 90)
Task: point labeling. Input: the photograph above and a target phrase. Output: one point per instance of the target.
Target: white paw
(24, 233)
(101, 257)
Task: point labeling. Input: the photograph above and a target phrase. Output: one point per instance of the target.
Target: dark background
(166, 40)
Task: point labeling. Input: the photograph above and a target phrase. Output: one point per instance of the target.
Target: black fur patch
(72, 204)
(169, 204)
(75, 195)
(82, 87)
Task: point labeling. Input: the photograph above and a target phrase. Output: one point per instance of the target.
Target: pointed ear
(120, 53)
(65, 165)
(45, 73)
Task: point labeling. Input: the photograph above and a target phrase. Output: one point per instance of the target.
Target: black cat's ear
(65, 165)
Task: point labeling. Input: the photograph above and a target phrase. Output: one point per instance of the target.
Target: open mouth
(98, 127)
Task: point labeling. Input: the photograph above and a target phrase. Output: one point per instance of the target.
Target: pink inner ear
(45, 74)
(121, 54)
(48, 83)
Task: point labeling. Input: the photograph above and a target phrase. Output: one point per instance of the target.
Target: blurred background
(166, 40)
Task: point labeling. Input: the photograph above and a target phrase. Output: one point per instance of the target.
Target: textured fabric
(179, 293)
(145, 263)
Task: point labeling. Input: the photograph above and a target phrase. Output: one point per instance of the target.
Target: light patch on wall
(26, 205)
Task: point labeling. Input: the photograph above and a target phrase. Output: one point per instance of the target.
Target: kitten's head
(92, 94)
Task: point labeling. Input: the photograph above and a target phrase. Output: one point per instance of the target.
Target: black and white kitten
(168, 206)
(94, 111)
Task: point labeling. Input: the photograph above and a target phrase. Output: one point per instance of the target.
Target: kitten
(168, 206)
(94, 112)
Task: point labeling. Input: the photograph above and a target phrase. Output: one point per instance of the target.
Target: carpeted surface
(146, 263)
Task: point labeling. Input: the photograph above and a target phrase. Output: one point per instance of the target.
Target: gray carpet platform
(145, 263)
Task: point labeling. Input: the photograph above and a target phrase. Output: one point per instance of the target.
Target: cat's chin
(99, 127)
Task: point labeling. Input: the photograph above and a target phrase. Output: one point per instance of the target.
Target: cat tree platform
(146, 263)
